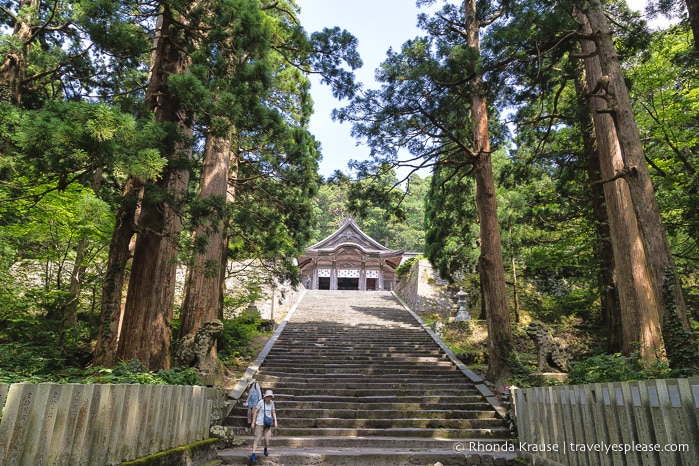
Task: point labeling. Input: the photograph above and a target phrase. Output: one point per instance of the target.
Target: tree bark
(604, 251)
(14, 64)
(515, 285)
(693, 12)
(202, 300)
(640, 320)
(490, 262)
(146, 332)
(115, 275)
(664, 277)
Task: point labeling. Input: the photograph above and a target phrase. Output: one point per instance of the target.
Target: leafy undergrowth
(588, 361)
(123, 373)
(35, 358)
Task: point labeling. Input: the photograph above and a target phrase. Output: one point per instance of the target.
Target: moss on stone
(161, 457)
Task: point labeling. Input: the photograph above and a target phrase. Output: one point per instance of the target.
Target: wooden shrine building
(349, 260)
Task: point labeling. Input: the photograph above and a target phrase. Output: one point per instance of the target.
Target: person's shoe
(266, 452)
(253, 458)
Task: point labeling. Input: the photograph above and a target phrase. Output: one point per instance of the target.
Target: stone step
(410, 397)
(356, 344)
(496, 432)
(309, 441)
(367, 370)
(365, 404)
(413, 384)
(352, 456)
(392, 351)
(454, 393)
(359, 379)
(354, 356)
(283, 413)
(378, 363)
(388, 423)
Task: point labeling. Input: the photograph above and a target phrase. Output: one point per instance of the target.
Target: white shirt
(262, 408)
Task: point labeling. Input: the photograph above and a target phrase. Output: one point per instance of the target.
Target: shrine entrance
(346, 283)
(348, 259)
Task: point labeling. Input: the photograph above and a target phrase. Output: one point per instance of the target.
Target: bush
(616, 368)
(237, 335)
(404, 269)
(123, 373)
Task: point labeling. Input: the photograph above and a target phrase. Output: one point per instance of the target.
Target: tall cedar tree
(234, 52)
(148, 310)
(610, 88)
(421, 107)
(274, 156)
(640, 322)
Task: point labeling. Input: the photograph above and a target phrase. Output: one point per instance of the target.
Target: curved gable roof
(349, 234)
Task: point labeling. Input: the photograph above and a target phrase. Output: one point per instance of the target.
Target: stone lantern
(462, 313)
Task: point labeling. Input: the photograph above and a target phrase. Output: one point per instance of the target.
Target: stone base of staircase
(370, 451)
(344, 456)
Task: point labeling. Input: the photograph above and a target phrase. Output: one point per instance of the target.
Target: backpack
(254, 396)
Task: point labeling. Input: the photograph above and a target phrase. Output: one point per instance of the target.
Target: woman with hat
(264, 417)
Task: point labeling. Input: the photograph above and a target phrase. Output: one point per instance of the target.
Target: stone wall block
(64, 426)
(177, 420)
(150, 431)
(84, 423)
(50, 400)
(118, 426)
(145, 400)
(133, 410)
(102, 414)
(13, 430)
(167, 415)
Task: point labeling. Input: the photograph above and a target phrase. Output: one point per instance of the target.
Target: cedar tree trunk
(490, 262)
(640, 321)
(115, 274)
(149, 304)
(202, 300)
(664, 278)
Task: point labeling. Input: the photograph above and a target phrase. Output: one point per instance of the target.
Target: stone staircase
(358, 381)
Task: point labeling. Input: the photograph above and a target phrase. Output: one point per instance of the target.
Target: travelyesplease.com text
(565, 448)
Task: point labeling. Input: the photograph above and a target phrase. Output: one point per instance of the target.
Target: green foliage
(680, 344)
(616, 368)
(132, 372)
(237, 334)
(404, 269)
(388, 211)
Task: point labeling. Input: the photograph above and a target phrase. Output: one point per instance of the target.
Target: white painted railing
(74, 424)
(652, 422)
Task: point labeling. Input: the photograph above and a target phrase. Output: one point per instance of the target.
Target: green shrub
(616, 368)
(404, 269)
(237, 335)
(123, 373)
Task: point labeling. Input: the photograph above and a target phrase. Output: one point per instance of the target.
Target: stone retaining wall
(423, 291)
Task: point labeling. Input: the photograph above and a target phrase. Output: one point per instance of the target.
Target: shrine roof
(349, 234)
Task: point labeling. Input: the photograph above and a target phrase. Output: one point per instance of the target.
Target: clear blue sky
(378, 25)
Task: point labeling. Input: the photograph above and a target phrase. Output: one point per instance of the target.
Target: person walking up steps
(264, 417)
